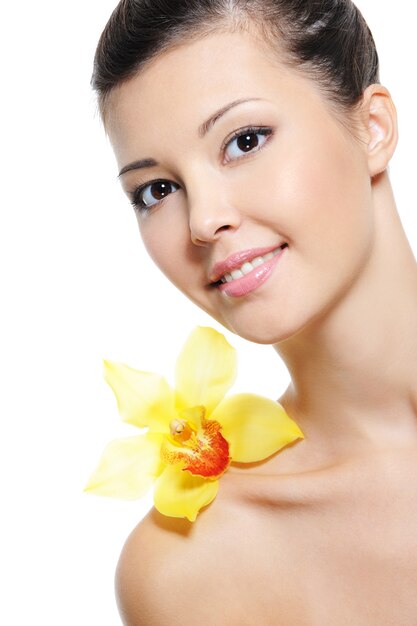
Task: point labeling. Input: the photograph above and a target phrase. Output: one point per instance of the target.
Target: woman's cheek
(166, 236)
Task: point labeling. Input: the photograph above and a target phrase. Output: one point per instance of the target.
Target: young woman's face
(214, 200)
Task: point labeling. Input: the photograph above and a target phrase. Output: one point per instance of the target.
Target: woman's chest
(342, 556)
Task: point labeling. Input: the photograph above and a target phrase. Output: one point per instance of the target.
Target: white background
(76, 287)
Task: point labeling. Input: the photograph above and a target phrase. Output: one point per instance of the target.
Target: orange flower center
(181, 430)
(202, 452)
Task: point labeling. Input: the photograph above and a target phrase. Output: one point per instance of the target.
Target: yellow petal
(206, 369)
(128, 467)
(179, 494)
(255, 427)
(144, 399)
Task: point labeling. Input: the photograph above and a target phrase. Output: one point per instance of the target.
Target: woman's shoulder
(172, 571)
(161, 570)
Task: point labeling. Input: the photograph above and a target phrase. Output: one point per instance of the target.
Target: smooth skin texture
(324, 532)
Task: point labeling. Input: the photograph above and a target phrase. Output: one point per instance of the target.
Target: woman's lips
(247, 283)
(235, 261)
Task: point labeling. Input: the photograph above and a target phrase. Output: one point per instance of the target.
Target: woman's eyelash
(137, 201)
(242, 132)
(135, 195)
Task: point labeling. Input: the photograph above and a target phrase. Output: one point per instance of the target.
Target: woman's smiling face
(208, 203)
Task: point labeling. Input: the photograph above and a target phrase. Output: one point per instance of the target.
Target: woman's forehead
(198, 72)
(184, 87)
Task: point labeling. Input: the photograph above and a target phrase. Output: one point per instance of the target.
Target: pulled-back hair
(327, 40)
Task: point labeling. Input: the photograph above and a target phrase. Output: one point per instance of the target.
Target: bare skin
(324, 532)
(335, 546)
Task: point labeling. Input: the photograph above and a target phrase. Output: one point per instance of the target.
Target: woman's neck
(354, 370)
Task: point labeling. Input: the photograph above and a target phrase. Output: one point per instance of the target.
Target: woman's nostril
(225, 227)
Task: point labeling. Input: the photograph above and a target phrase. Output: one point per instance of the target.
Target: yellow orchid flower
(194, 432)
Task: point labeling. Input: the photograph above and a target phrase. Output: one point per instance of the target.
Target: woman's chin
(261, 331)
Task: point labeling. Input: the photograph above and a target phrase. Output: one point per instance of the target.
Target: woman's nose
(211, 215)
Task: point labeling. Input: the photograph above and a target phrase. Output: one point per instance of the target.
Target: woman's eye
(153, 193)
(246, 141)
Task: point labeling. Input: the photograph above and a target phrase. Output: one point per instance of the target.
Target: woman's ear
(379, 117)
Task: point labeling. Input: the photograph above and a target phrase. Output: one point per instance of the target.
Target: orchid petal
(128, 467)
(144, 399)
(206, 369)
(255, 427)
(180, 494)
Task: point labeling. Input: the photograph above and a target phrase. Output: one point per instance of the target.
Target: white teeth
(257, 262)
(249, 266)
(246, 268)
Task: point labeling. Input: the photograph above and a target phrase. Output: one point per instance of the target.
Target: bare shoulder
(145, 584)
(160, 570)
(172, 571)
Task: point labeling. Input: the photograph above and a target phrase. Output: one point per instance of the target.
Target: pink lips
(248, 282)
(237, 260)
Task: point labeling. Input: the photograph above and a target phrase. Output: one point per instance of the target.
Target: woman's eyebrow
(137, 165)
(208, 124)
(202, 131)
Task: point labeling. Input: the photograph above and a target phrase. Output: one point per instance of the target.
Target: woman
(253, 139)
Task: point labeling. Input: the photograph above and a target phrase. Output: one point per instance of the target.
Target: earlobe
(382, 130)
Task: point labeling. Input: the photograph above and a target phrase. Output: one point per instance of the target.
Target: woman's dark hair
(328, 40)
